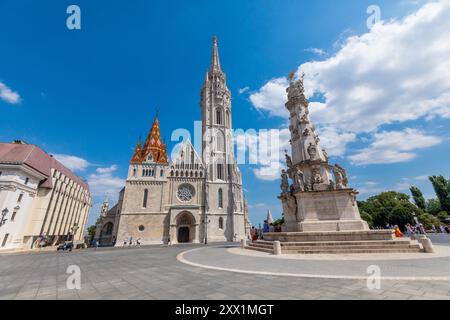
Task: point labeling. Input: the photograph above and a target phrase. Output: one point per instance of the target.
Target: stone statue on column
(340, 176)
(284, 182)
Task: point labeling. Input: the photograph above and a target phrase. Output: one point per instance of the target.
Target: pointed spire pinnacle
(269, 217)
(215, 62)
(153, 146)
(136, 158)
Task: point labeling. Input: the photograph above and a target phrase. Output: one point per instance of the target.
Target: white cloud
(103, 182)
(243, 90)
(72, 162)
(272, 97)
(334, 141)
(398, 71)
(7, 95)
(394, 147)
(422, 178)
(107, 170)
(369, 187)
(257, 205)
(318, 51)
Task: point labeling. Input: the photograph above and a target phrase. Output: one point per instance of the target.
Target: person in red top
(397, 231)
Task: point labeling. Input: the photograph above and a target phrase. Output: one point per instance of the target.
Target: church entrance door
(183, 234)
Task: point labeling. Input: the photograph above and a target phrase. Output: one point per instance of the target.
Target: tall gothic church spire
(215, 62)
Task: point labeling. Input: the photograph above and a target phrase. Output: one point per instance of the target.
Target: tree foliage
(442, 188)
(390, 207)
(91, 231)
(433, 206)
(418, 197)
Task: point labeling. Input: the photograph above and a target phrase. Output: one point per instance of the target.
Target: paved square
(155, 273)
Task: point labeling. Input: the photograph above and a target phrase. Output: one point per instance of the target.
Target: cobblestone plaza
(154, 272)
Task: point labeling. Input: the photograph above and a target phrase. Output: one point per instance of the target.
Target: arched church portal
(185, 227)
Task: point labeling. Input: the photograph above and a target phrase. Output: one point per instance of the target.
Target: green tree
(442, 189)
(368, 218)
(428, 220)
(418, 197)
(433, 206)
(91, 232)
(389, 208)
(443, 217)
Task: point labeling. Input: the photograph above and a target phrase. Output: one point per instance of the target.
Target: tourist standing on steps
(266, 227)
(409, 231)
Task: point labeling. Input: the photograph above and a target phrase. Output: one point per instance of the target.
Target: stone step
(260, 245)
(346, 243)
(370, 247)
(354, 250)
(260, 249)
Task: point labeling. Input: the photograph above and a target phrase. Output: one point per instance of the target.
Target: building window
(141, 228)
(27, 180)
(161, 173)
(144, 203)
(220, 171)
(218, 116)
(220, 198)
(134, 172)
(220, 223)
(5, 239)
(13, 215)
(20, 198)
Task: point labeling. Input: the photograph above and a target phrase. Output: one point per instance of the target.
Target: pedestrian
(409, 231)
(114, 241)
(442, 229)
(138, 242)
(266, 227)
(398, 232)
(131, 242)
(125, 241)
(95, 244)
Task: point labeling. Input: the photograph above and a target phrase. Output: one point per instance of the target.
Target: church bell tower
(223, 190)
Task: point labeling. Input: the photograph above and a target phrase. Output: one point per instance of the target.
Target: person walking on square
(138, 242)
(131, 242)
(125, 241)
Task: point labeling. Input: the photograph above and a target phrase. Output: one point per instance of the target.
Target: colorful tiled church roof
(153, 150)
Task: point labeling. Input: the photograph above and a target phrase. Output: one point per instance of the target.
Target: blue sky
(86, 95)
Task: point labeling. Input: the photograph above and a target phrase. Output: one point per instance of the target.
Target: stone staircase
(338, 247)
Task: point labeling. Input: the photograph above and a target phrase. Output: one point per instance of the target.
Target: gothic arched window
(220, 198)
(144, 202)
(220, 141)
(219, 116)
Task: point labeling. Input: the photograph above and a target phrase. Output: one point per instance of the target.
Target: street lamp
(206, 221)
(4, 213)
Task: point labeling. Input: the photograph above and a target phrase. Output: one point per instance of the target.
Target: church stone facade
(191, 198)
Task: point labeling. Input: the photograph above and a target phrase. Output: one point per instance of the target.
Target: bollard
(243, 243)
(426, 244)
(277, 248)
